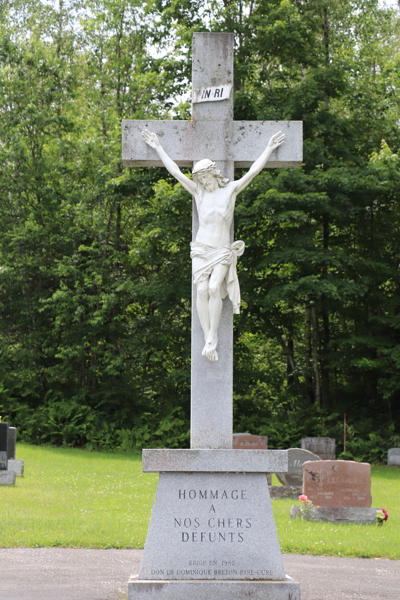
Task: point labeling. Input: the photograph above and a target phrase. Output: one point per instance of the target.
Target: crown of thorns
(200, 170)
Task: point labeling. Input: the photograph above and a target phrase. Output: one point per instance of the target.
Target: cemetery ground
(80, 499)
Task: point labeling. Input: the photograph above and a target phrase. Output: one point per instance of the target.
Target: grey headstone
(338, 514)
(12, 443)
(3, 446)
(324, 447)
(214, 526)
(7, 478)
(17, 466)
(394, 457)
(296, 458)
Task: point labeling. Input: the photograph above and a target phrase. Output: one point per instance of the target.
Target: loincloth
(210, 258)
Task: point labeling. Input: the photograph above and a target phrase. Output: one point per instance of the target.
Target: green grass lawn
(75, 498)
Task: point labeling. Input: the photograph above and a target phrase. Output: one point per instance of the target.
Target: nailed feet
(210, 349)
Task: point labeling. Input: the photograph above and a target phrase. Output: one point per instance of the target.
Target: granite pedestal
(212, 533)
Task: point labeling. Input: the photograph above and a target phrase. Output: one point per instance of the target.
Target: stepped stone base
(139, 589)
(338, 514)
(17, 466)
(7, 478)
(285, 491)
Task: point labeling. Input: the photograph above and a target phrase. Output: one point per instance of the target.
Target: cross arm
(189, 141)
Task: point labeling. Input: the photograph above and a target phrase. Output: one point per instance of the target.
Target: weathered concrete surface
(251, 461)
(338, 514)
(189, 141)
(80, 574)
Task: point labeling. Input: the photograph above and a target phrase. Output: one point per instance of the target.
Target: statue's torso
(215, 211)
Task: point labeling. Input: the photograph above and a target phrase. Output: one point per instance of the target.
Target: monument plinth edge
(215, 461)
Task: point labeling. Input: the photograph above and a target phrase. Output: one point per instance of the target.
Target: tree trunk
(326, 49)
(308, 353)
(317, 378)
(325, 323)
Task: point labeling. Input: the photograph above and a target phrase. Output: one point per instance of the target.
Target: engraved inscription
(212, 529)
(215, 526)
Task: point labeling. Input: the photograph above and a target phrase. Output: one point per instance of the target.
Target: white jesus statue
(213, 256)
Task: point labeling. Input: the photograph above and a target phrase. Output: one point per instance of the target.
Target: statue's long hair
(222, 181)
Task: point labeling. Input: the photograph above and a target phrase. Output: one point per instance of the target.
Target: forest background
(94, 258)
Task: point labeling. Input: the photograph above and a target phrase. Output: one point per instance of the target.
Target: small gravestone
(6, 477)
(12, 443)
(17, 466)
(296, 459)
(340, 491)
(394, 457)
(324, 447)
(292, 481)
(243, 441)
(13, 464)
(248, 441)
(3, 446)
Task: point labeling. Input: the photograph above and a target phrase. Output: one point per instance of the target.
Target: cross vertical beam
(212, 382)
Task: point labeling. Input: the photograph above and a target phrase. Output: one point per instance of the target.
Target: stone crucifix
(214, 144)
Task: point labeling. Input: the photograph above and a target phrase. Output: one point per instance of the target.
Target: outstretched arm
(275, 141)
(152, 140)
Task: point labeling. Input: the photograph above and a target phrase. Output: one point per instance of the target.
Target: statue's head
(207, 167)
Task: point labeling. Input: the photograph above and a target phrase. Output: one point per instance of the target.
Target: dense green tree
(94, 280)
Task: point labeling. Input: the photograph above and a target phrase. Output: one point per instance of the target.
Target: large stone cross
(212, 133)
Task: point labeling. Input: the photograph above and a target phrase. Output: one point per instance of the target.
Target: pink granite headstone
(247, 441)
(337, 483)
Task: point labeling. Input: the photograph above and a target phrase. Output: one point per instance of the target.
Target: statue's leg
(202, 298)
(215, 309)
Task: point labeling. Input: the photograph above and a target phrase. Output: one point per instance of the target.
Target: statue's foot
(212, 354)
(210, 349)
